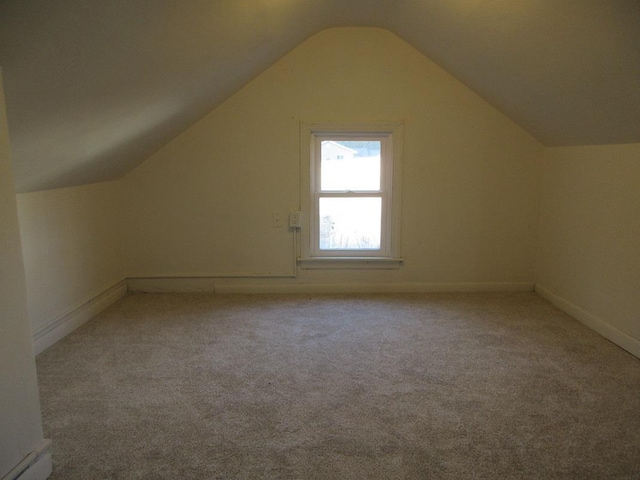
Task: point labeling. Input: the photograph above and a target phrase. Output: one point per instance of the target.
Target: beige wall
(72, 242)
(202, 205)
(20, 425)
(589, 234)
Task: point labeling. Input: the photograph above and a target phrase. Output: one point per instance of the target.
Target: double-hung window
(351, 196)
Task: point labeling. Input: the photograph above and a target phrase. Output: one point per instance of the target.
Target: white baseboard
(605, 329)
(172, 284)
(206, 284)
(35, 466)
(374, 288)
(63, 325)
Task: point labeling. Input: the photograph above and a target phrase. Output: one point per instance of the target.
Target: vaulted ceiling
(93, 87)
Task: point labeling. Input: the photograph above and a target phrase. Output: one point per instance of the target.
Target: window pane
(350, 165)
(350, 223)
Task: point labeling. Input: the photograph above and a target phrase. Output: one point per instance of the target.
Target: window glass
(350, 223)
(350, 165)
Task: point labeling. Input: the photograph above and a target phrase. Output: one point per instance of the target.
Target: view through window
(350, 195)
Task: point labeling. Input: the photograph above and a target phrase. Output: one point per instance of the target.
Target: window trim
(389, 256)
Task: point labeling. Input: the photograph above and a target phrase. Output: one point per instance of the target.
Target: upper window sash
(385, 152)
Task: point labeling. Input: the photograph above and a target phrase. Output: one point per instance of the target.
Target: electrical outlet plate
(294, 218)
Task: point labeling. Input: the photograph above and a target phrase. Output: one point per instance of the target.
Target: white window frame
(391, 138)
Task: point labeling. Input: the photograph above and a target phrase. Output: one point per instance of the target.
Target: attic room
(152, 157)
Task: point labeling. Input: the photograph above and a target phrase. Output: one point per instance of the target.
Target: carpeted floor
(402, 386)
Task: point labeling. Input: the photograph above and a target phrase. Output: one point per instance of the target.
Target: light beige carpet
(403, 386)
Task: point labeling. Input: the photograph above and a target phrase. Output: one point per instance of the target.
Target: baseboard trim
(35, 466)
(605, 329)
(63, 325)
(375, 288)
(212, 284)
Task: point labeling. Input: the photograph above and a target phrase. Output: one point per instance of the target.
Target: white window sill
(350, 263)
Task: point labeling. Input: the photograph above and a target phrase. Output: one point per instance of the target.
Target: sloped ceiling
(93, 87)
